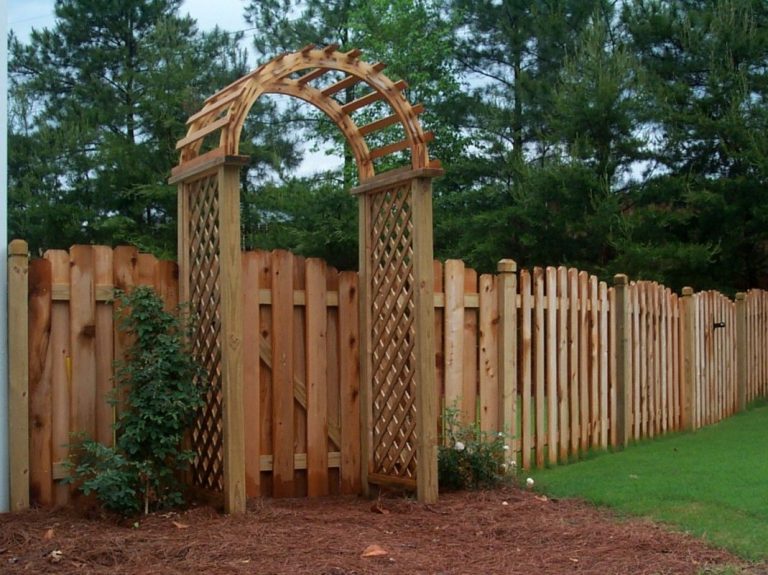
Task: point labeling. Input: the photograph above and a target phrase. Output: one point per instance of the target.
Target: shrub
(469, 457)
(160, 380)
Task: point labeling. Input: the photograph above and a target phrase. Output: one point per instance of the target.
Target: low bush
(470, 458)
(160, 385)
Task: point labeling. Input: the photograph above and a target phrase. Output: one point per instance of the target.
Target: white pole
(5, 465)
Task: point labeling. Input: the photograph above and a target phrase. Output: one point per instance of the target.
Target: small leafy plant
(160, 384)
(469, 457)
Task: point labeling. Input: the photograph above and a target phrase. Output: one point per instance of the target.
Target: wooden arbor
(399, 405)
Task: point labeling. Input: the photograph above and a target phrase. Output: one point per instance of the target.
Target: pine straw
(463, 533)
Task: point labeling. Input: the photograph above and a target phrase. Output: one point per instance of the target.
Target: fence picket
(300, 408)
(562, 362)
(104, 348)
(454, 338)
(636, 411)
(439, 340)
(282, 374)
(584, 360)
(573, 358)
(60, 357)
(317, 394)
(538, 281)
(470, 362)
(349, 358)
(604, 363)
(302, 384)
(489, 355)
(526, 367)
(594, 366)
(333, 378)
(613, 374)
(551, 362)
(251, 372)
(82, 309)
(266, 378)
(657, 360)
(40, 390)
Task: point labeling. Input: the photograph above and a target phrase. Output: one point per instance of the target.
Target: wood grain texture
(489, 360)
(82, 311)
(18, 374)
(317, 397)
(251, 374)
(349, 358)
(40, 389)
(230, 269)
(104, 347)
(60, 359)
(282, 373)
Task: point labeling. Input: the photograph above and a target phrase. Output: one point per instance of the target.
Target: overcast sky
(23, 15)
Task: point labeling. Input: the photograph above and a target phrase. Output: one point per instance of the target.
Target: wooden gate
(395, 262)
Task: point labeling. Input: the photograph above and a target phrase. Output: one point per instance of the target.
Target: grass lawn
(712, 483)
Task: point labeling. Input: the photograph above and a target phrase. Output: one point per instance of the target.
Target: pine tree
(99, 101)
(702, 213)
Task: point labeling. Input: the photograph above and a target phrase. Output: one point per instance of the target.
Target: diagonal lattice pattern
(393, 334)
(205, 298)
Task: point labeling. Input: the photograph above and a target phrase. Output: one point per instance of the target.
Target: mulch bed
(505, 531)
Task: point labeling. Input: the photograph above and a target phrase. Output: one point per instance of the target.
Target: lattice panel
(393, 334)
(205, 299)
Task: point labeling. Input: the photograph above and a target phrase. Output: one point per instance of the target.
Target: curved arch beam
(225, 112)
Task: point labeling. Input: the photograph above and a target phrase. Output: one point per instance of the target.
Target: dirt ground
(505, 531)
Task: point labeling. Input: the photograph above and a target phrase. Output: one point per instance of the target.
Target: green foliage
(160, 381)
(704, 93)
(710, 483)
(616, 137)
(470, 458)
(96, 105)
(311, 217)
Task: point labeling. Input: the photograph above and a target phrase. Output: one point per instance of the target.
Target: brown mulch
(464, 533)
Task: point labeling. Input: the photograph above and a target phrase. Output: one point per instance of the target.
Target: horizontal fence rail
(587, 374)
(560, 361)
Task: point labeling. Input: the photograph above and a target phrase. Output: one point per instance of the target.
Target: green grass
(712, 483)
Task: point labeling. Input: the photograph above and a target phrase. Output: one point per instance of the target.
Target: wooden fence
(560, 361)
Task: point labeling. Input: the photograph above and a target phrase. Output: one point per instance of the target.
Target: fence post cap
(506, 266)
(741, 296)
(687, 291)
(620, 280)
(18, 248)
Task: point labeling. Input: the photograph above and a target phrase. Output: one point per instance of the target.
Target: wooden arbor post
(398, 395)
(209, 280)
(398, 201)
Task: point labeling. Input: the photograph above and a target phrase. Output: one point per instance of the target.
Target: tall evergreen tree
(98, 103)
(536, 187)
(414, 39)
(701, 216)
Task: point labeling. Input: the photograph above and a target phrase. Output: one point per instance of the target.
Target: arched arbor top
(308, 74)
(396, 310)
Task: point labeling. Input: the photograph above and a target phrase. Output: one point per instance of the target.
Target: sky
(23, 15)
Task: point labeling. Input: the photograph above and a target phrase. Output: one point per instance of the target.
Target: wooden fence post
(426, 392)
(230, 263)
(18, 372)
(688, 385)
(741, 351)
(621, 357)
(507, 290)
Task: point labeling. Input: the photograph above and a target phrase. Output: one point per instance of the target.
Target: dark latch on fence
(719, 324)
